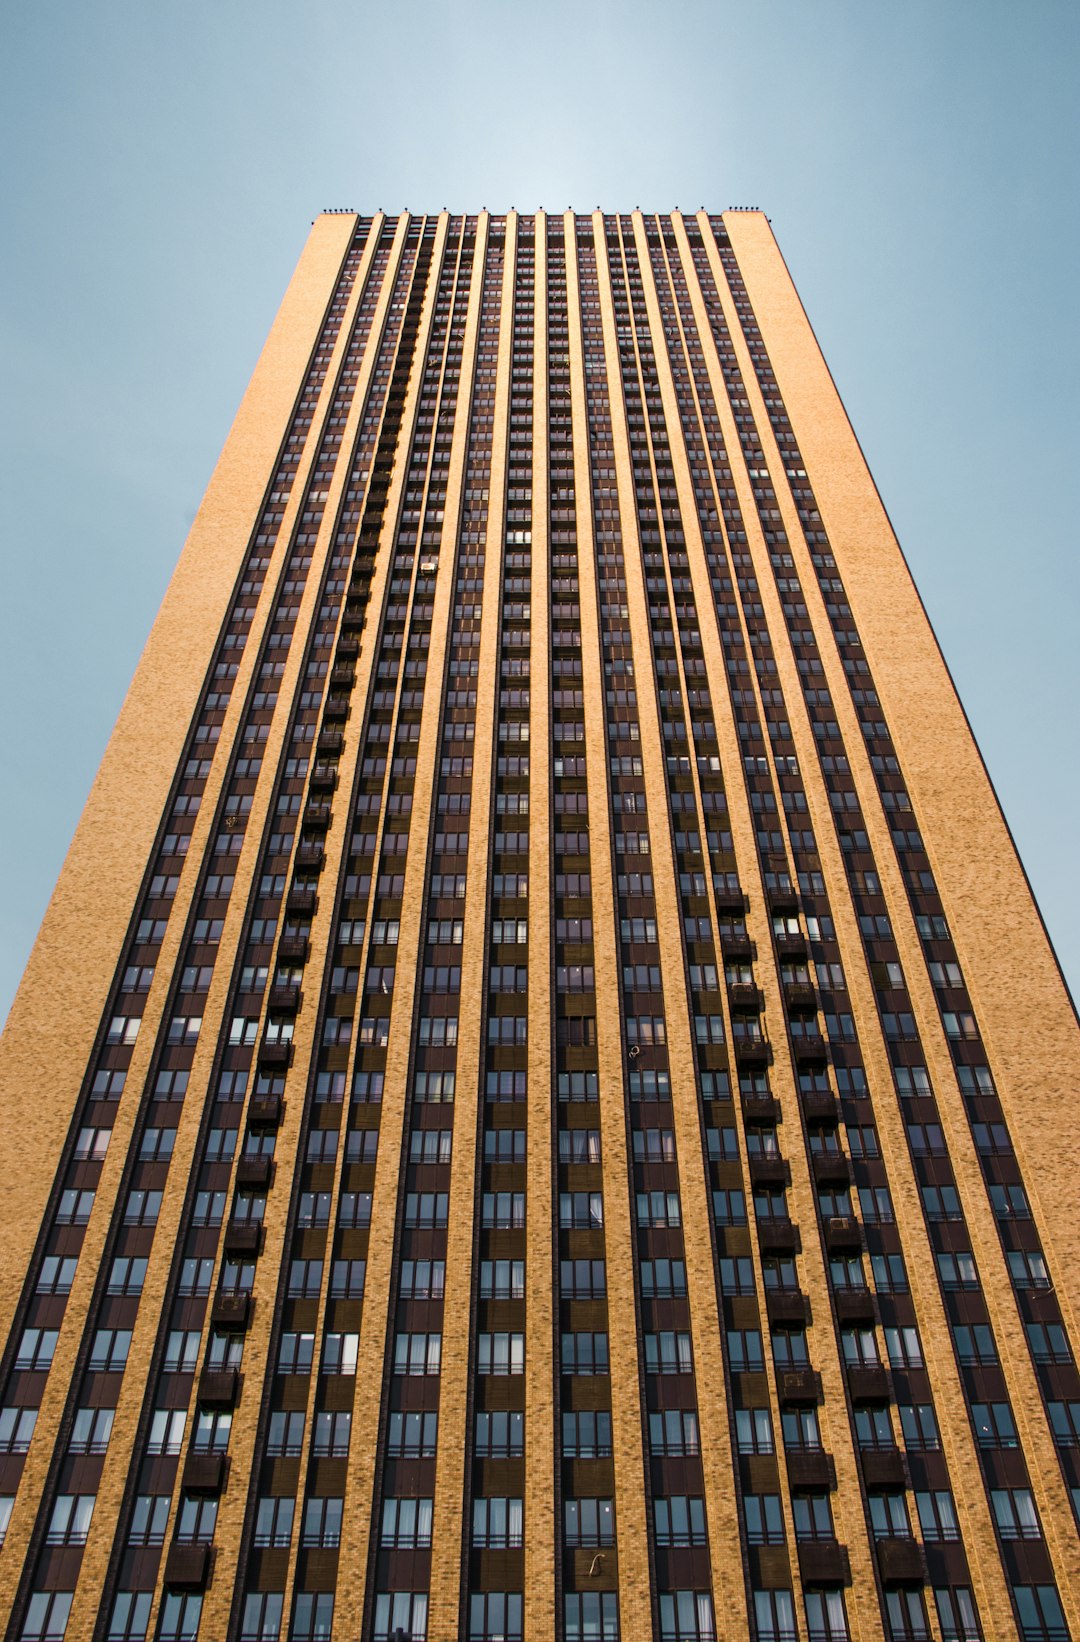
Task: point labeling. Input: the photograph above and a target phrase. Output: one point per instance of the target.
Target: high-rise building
(542, 1106)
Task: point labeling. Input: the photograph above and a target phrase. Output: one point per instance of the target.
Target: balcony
(231, 1311)
(324, 778)
(791, 945)
(311, 856)
(285, 999)
(770, 1171)
(809, 1051)
(812, 1470)
(744, 995)
(254, 1173)
(294, 948)
(760, 1108)
(778, 1237)
(301, 901)
(753, 1051)
(820, 1106)
(187, 1567)
(266, 1111)
(205, 1473)
(337, 709)
(787, 1308)
(842, 1233)
(342, 677)
(884, 1468)
(243, 1239)
(868, 1383)
(348, 647)
(798, 1386)
(854, 1305)
(219, 1388)
(901, 1562)
(831, 1166)
(800, 997)
(824, 1562)
(277, 1055)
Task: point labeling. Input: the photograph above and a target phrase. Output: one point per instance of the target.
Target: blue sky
(919, 163)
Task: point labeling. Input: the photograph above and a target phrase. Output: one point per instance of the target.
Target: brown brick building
(542, 1106)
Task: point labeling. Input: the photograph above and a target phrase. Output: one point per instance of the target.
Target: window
(906, 1616)
(888, 1516)
(826, 1620)
(582, 1353)
(500, 1353)
(285, 1435)
(904, 1347)
(686, 1616)
(680, 1520)
(322, 1522)
(497, 1523)
(873, 1428)
(504, 1210)
(130, 1616)
(313, 1617)
(402, 1611)
(197, 1520)
(36, 1348)
(412, 1436)
(1048, 1342)
(957, 1270)
(74, 1208)
(211, 1433)
(305, 1279)
(589, 1522)
(261, 1620)
(975, 1344)
(663, 1279)
(956, 1614)
(1028, 1269)
(426, 1209)
(91, 1430)
(813, 1516)
(70, 1520)
(332, 1434)
(17, 1427)
(47, 1616)
(586, 1435)
(729, 1208)
(182, 1351)
(994, 1427)
(1014, 1513)
(1041, 1618)
(591, 1616)
(658, 1209)
(422, 1353)
(675, 1431)
(1009, 1202)
(296, 1353)
(92, 1144)
(774, 1616)
(142, 1208)
(937, 1515)
(504, 1279)
(273, 1521)
(339, 1353)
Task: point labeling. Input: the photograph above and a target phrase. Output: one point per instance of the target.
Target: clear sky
(164, 161)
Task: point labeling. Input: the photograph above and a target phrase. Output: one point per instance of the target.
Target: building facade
(542, 1105)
